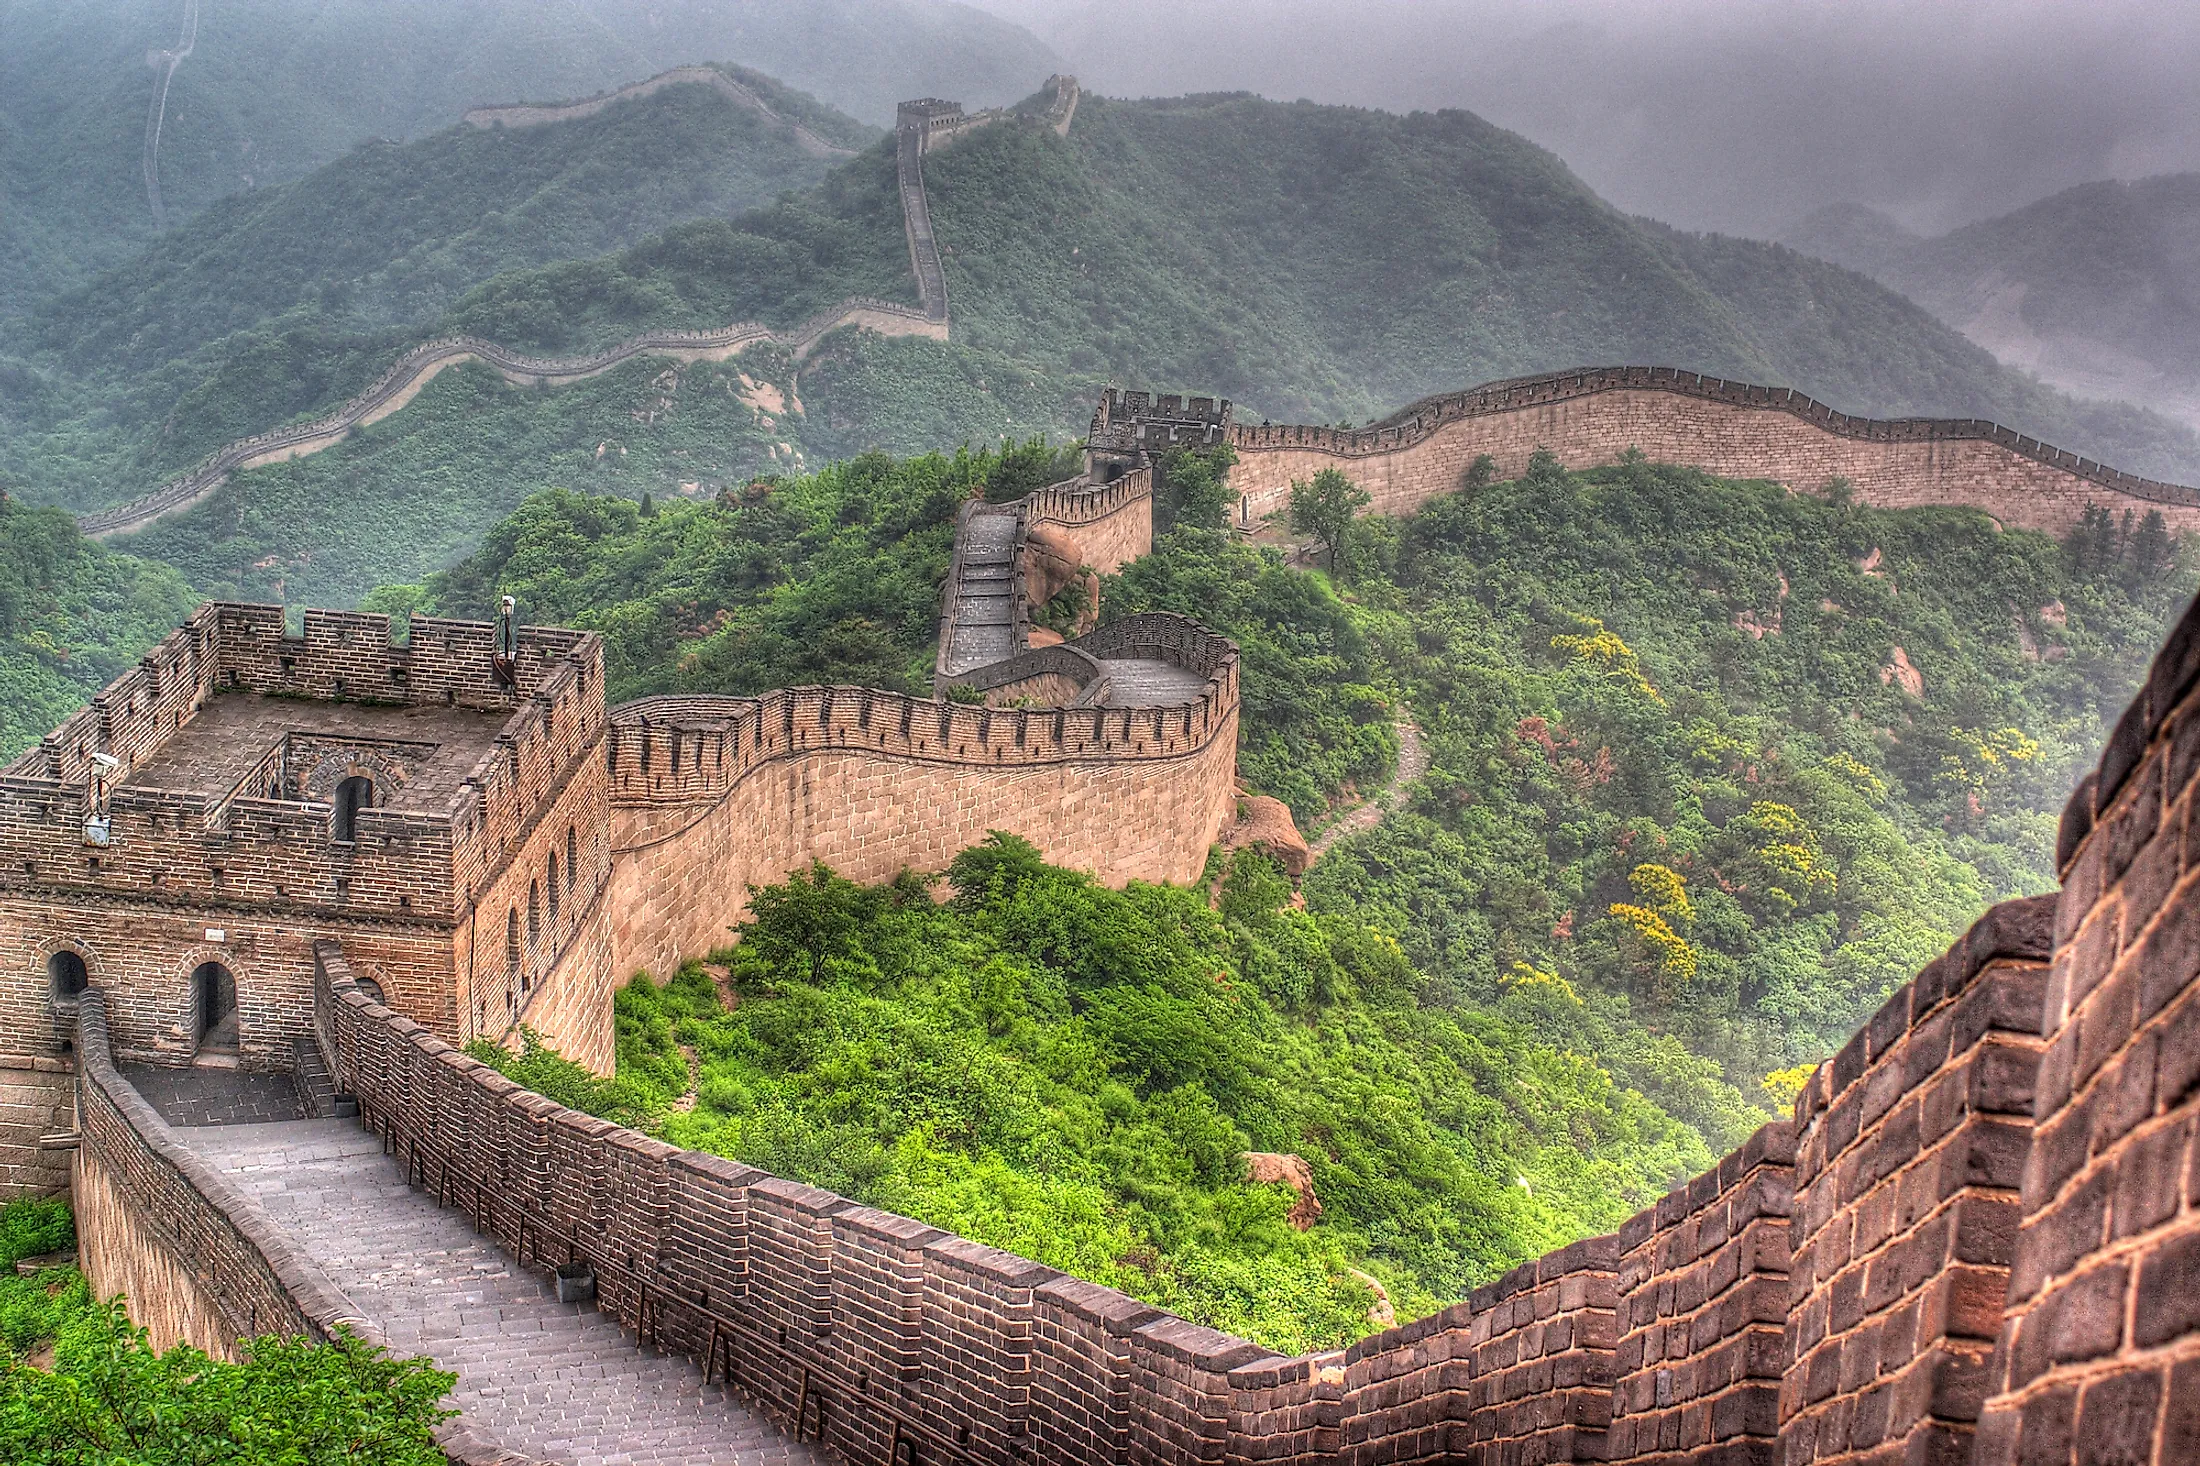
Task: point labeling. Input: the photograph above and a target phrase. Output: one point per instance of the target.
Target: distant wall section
(1730, 429)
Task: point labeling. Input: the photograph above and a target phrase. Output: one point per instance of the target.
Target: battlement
(1130, 426)
(935, 123)
(683, 749)
(248, 784)
(1736, 429)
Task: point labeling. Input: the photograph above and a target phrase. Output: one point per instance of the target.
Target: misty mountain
(1318, 262)
(2096, 289)
(272, 89)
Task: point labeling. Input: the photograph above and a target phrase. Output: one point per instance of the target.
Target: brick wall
(710, 795)
(1728, 428)
(199, 1263)
(1111, 523)
(36, 1101)
(1910, 1147)
(2098, 1356)
(249, 880)
(1702, 1302)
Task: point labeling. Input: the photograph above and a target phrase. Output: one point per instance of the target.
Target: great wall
(537, 114)
(924, 127)
(1976, 1241)
(1588, 417)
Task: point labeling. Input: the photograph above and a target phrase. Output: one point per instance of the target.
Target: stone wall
(199, 1262)
(531, 114)
(711, 794)
(1910, 1147)
(1111, 523)
(36, 1102)
(247, 880)
(1727, 428)
(2098, 1351)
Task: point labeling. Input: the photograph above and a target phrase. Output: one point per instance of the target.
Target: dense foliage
(1356, 260)
(80, 1386)
(1714, 768)
(1730, 762)
(826, 577)
(286, 301)
(1315, 262)
(1075, 1073)
(73, 616)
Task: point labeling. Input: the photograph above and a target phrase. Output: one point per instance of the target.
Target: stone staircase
(982, 622)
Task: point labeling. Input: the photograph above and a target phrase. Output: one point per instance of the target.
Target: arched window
(511, 941)
(354, 794)
(66, 969)
(572, 858)
(534, 912)
(553, 884)
(214, 1004)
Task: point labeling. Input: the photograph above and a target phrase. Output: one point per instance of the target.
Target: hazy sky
(1740, 115)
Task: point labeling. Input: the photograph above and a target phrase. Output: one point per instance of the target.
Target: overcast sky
(1739, 115)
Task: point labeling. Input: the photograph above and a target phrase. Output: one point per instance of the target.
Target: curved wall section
(710, 795)
(200, 1263)
(1731, 429)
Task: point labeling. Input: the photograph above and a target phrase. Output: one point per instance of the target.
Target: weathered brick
(2116, 1420)
(2168, 1302)
(2088, 1315)
(2050, 1429)
(2150, 1176)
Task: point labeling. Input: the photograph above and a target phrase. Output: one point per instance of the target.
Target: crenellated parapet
(1591, 417)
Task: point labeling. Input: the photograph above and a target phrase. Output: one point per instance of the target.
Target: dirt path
(1412, 764)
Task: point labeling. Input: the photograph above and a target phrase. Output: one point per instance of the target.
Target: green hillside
(1325, 262)
(1682, 831)
(73, 617)
(291, 299)
(273, 89)
(2096, 288)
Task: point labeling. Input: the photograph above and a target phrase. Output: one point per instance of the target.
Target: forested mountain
(2097, 288)
(272, 89)
(1354, 261)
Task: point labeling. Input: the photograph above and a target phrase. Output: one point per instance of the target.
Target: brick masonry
(528, 847)
(1728, 428)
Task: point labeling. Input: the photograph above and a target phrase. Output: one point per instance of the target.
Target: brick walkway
(212, 1096)
(555, 1381)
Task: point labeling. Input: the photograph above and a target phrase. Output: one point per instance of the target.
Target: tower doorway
(67, 972)
(354, 794)
(214, 1008)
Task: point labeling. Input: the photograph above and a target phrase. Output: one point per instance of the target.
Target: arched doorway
(66, 970)
(214, 1008)
(354, 794)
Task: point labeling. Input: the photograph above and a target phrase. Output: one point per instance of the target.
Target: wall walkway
(529, 114)
(552, 1381)
(710, 794)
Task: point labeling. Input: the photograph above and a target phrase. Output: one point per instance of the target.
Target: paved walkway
(556, 1381)
(214, 1096)
(1141, 682)
(981, 623)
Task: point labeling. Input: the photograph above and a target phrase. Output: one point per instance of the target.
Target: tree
(1324, 508)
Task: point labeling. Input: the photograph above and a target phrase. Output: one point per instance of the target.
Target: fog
(1737, 115)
